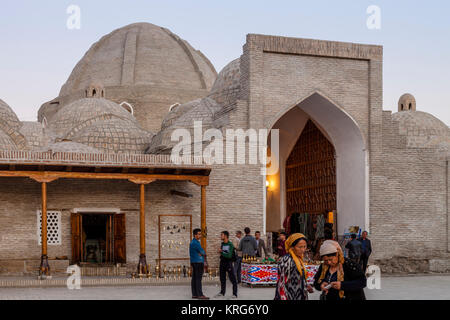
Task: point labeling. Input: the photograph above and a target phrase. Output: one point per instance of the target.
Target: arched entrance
(338, 131)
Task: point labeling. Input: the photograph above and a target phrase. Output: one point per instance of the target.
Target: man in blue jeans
(197, 257)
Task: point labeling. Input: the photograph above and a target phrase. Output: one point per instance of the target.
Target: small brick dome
(227, 86)
(422, 129)
(114, 136)
(407, 102)
(85, 112)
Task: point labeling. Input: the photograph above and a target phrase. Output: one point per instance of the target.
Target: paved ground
(392, 288)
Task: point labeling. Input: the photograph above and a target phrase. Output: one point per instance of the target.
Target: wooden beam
(49, 176)
(98, 169)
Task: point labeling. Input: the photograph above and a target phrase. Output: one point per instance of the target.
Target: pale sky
(38, 51)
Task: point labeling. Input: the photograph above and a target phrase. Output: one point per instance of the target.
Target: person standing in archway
(366, 250)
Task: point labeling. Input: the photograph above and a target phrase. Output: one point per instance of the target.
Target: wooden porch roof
(47, 167)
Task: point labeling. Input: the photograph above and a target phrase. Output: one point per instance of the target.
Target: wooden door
(109, 239)
(76, 226)
(119, 238)
(311, 173)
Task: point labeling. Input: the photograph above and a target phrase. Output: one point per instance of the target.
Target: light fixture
(267, 183)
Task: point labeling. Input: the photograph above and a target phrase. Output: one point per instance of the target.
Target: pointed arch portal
(329, 127)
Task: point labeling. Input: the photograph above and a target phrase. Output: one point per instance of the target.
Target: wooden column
(203, 218)
(44, 267)
(142, 265)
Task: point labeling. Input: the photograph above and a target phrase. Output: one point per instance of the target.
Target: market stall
(256, 272)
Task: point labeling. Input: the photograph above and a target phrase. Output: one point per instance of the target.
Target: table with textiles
(267, 274)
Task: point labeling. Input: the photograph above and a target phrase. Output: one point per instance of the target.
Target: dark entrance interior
(94, 238)
(98, 238)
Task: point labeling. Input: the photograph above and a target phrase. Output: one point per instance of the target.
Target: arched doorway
(311, 173)
(343, 134)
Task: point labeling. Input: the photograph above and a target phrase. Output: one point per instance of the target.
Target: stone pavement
(392, 288)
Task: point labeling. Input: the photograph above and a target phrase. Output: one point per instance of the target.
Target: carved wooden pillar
(43, 178)
(142, 267)
(203, 217)
(44, 268)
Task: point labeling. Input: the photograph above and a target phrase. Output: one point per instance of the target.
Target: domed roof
(36, 135)
(227, 86)
(6, 143)
(8, 119)
(69, 146)
(84, 112)
(407, 102)
(422, 129)
(141, 54)
(114, 136)
(183, 117)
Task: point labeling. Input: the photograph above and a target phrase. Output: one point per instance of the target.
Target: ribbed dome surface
(141, 54)
(114, 136)
(227, 86)
(6, 143)
(84, 112)
(8, 119)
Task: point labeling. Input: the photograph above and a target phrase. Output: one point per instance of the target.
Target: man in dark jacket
(261, 245)
(366, 250)
(354, 249)
(248, 244)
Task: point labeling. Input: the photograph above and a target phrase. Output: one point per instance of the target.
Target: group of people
(359, 250)
(337, 278)
(231, 253)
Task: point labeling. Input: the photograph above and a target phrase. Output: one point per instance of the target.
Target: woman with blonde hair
(338, 278)
(292, 273)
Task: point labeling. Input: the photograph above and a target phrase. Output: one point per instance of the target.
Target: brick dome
(422, 129)
(183, 117)
(6, 143)
(141, 54)
(114, 136)
(8, 119)
(227, 86)
(85, 112)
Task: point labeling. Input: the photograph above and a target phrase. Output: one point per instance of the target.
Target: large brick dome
(145, 65)
(141, 54)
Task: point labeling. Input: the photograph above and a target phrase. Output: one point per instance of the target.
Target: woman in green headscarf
(292, 273)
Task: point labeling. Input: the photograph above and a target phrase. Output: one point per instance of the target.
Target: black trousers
(237, 268)
(364, 261)
(196, 282)
(224, 268)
